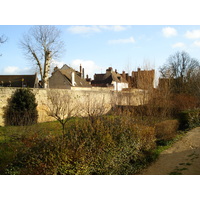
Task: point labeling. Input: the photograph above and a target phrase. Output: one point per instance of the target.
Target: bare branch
(3, 39)
(94, 106)
(41, 45)
(180, 68)
(61, 106)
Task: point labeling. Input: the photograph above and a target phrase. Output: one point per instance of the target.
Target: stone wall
(88, 100)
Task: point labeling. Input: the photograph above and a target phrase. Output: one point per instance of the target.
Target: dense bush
(185, 102)
(21, 109)
(109, 145)
(149, 110)
(166, 130)
(189, 119)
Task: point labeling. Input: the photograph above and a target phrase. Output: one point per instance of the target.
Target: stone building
(140, 79)
(110, 79)
(67, 77)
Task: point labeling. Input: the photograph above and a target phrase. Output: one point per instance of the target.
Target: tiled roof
(79, 82)
(18, 80)
(108, 78)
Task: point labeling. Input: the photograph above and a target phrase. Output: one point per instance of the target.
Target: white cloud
(122, 41)
(178, 45)
(95, 29)
(169, 32)
(11, 70)
(115, 28)
(89, 66)
(14, 70)
(195, 34)
(83, 29)
(196, 43)
(55, 63)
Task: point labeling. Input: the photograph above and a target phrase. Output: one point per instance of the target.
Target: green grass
(42, 129)
(12, 138)
(168, 144)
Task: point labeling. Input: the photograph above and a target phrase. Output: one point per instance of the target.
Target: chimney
(83, 74)
(127, 77)
(73, 79)
(109, 69)
(80, 69)
(123, 74)
(55, 68)
(138, 69)
(116, 71)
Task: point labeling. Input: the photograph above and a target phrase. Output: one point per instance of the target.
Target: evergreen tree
(22, 108)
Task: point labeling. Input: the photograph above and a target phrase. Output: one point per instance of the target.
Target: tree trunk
(46, 69)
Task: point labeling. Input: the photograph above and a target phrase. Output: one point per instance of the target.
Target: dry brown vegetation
(166, 130)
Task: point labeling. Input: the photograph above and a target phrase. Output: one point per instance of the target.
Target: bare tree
(3, 39)
(94, 106)
(41, 45)
(193, 86)
(62, 106)
(179, 67)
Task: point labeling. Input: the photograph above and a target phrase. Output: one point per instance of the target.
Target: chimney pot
(80, 68)
(73, 79)
(109, 69)
(55, 68)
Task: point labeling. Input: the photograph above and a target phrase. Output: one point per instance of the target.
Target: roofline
(59, 70)
(21, 75)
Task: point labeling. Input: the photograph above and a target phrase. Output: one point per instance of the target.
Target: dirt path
(182, 158)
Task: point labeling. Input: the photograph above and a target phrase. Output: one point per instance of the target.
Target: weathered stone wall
(88, 100)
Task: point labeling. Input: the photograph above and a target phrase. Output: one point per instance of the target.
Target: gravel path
(183, 158)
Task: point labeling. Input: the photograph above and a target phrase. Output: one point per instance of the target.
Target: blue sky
(97, 47)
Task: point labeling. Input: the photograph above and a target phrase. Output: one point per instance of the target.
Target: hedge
(189, 119)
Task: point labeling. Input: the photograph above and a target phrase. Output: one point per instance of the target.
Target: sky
(97, 47)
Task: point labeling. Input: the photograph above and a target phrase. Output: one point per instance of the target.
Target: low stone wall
(93, 100)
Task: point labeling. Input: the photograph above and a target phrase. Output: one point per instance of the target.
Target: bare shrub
(185, 102)
(62, 106)
(94, 106)
(166, 130)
